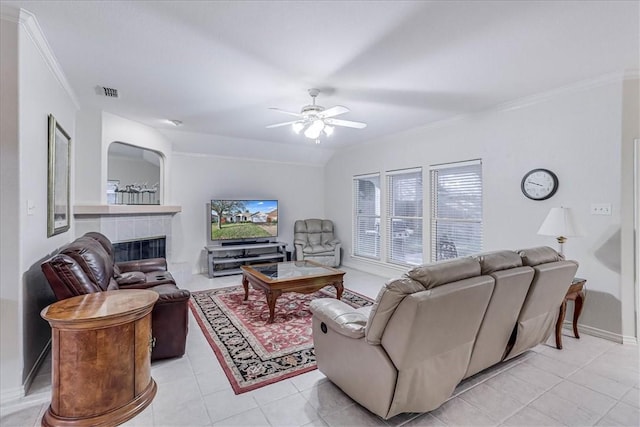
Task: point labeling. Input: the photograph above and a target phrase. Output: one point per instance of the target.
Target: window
(456, 210)
(404, 216)
(366, 227)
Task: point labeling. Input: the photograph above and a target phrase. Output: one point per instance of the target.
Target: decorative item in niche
(134, 194)
(58, 212)
(112, 186)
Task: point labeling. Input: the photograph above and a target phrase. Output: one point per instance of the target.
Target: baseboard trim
(17, 397)
(11, 395)
(34, 369)
(595, 332)
(629, 340)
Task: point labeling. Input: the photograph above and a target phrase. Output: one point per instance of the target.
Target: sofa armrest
(340, 317)
(143, 265)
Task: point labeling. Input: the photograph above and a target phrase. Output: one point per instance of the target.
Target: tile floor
(590, 382)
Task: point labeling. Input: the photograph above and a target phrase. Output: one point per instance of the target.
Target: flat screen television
(243, 220)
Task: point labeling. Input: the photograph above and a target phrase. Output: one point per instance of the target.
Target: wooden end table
(303, 277)
(101, 358)
(575, 294)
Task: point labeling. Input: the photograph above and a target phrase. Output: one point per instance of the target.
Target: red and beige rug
(252, 352)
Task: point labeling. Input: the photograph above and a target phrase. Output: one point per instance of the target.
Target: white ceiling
(218, 66)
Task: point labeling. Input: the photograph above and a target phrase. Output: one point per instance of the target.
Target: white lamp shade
(559, 222)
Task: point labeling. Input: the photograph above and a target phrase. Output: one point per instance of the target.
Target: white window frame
(435, 220)
(374, 232)
(390, 217)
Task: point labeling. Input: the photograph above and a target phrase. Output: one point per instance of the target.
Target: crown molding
(30, 24)
(602, 80)
(9, 13)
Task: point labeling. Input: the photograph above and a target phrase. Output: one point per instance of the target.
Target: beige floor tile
(292, 410)
(224, 404)
(273, 392)
(457, 412)
(514, 387)
(494, 403)
(553, 366)
(211, 382)
(326, 398)
(632, 397)
(528, 416)
(253, 417)
(307, 380)
(537, 377)
(176, 392)
(425, 420)
(189, 413)
(171, 369)
(22, 417)
(354, 415)
(621, 415)
(599, 383)
(565, 411)
(317, 423)
(143, 419)
(608, 370)
(595, 402)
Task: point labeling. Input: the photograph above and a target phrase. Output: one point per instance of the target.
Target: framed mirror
(58, 211)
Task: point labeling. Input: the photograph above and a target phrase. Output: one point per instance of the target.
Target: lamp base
(561, 240)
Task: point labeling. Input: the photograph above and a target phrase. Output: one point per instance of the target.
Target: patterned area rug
(252, 352)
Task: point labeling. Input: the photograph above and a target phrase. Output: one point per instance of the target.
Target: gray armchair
(314, 240)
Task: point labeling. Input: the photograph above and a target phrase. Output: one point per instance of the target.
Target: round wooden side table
(101, 358)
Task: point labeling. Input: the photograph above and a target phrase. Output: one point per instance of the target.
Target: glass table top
(291, 270)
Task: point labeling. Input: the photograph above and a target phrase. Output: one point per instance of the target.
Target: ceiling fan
(314, 120)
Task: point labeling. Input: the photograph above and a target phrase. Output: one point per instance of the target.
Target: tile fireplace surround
(120, 228)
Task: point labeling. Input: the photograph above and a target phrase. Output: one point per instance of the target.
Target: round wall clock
(539, 184)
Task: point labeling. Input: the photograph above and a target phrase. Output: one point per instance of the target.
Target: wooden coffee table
(303, 277)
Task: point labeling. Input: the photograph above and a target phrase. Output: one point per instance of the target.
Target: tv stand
(226, 259)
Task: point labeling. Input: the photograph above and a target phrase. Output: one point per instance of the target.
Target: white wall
(41, 90)
(132, 171)
(196, 179)
(10, 324)
(575, 132)
(629, 285)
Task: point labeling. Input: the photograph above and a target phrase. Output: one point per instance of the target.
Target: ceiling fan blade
(277, 125)
(285, 112)
(333, 111)
(346, 123)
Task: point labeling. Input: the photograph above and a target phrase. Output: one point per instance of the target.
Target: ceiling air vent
(107, 91)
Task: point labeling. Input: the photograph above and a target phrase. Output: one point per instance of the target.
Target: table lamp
(559, 223)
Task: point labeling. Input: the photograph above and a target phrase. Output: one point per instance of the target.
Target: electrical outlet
(601, 209)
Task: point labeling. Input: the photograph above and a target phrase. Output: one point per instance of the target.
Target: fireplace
(145, 248)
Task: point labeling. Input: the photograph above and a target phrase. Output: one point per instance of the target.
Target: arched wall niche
(135, 175)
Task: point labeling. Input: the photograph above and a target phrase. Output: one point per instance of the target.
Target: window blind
(366, 227)
(404, 217)
(456, 210)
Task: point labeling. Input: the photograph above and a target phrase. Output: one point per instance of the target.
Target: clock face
(539, 184)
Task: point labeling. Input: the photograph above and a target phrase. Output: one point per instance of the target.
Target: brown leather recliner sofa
(439, 324)
(86, 265)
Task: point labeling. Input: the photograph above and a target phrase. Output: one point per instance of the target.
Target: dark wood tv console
(223, 260)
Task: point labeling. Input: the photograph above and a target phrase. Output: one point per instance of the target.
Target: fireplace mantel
(79, 210)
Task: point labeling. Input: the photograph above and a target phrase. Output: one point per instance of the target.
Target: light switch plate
(31, 207)
(601, 209)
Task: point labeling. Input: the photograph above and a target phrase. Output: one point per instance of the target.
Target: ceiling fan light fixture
(297, 127)
(313, 131)
(328, 130)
